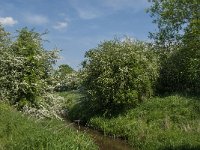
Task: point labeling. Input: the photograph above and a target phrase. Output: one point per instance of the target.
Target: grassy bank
(161, 123)
(17, 131)
(171, 122)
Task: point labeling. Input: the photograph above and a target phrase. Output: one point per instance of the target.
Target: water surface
(105, 142)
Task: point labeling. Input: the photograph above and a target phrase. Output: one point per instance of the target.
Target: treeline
(178, 44)
(120, 74)
(116, 73)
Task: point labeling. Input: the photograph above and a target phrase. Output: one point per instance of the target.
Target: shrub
(70, 81)
(66, 79)
(5, 52)
(49, 106)
(25, 68)
(119, 73)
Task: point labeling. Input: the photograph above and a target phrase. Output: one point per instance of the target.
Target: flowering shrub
(25, 69)
(66, 79)
(49, 106)
(119, 73)
(70, 82)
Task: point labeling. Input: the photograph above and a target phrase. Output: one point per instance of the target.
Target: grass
(171, 122)
(161, 123)
(77, 109)
(71, 97)
(18, 131)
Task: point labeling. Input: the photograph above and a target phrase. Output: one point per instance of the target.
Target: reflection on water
(105, 142)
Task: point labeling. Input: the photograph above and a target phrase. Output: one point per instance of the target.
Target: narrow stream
(105, 142)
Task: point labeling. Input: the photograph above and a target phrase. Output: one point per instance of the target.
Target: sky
(75, 26)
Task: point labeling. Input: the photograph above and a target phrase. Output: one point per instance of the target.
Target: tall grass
(17, 131)
(161, 123)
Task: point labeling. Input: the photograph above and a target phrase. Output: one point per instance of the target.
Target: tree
(178, 39)
(173, 18)
(117, 74)
(67, 78)
(63, 70)
(5, 42)
(27, 68)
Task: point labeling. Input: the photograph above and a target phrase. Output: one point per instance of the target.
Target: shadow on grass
(84, 110)
(81, 111)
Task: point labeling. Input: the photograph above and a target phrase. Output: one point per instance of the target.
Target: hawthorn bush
(5, 52)
(26, 67)
(66, 78)
(119, 73)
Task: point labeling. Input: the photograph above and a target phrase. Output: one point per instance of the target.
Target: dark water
(105, 142)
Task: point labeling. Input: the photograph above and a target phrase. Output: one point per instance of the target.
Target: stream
(104, 142)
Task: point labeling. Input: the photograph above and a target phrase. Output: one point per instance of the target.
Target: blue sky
(76, 26)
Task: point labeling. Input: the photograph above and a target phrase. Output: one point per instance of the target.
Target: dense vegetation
(111, 75)
(27, 81)
(66, 78)
(25, 69)
(114, 92)
(18, 131)
(119, 73)
(161, 123)
(177, 40)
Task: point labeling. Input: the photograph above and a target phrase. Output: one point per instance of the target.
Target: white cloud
(61, 25)
(36, 19)
(7, 21)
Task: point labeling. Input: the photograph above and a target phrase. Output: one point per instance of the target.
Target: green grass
(161, 123)
(18, 131)
(171, 122)
(71, 97)
(77, 109)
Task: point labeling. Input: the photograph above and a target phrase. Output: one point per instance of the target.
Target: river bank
(19, 131)
(171, 122)
(104, 142)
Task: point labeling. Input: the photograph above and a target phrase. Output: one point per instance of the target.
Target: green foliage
(25, 68)
(173, 18)
(161, 123)
(64, 69)
(118, 73)
(77, 106)
(66, 79)
(180, 72)
(20, 132)
(82, 110)
(5, 52)
(179, 34)
(71, 98)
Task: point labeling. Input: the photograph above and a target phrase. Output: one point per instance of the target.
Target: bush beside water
(119, 73)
